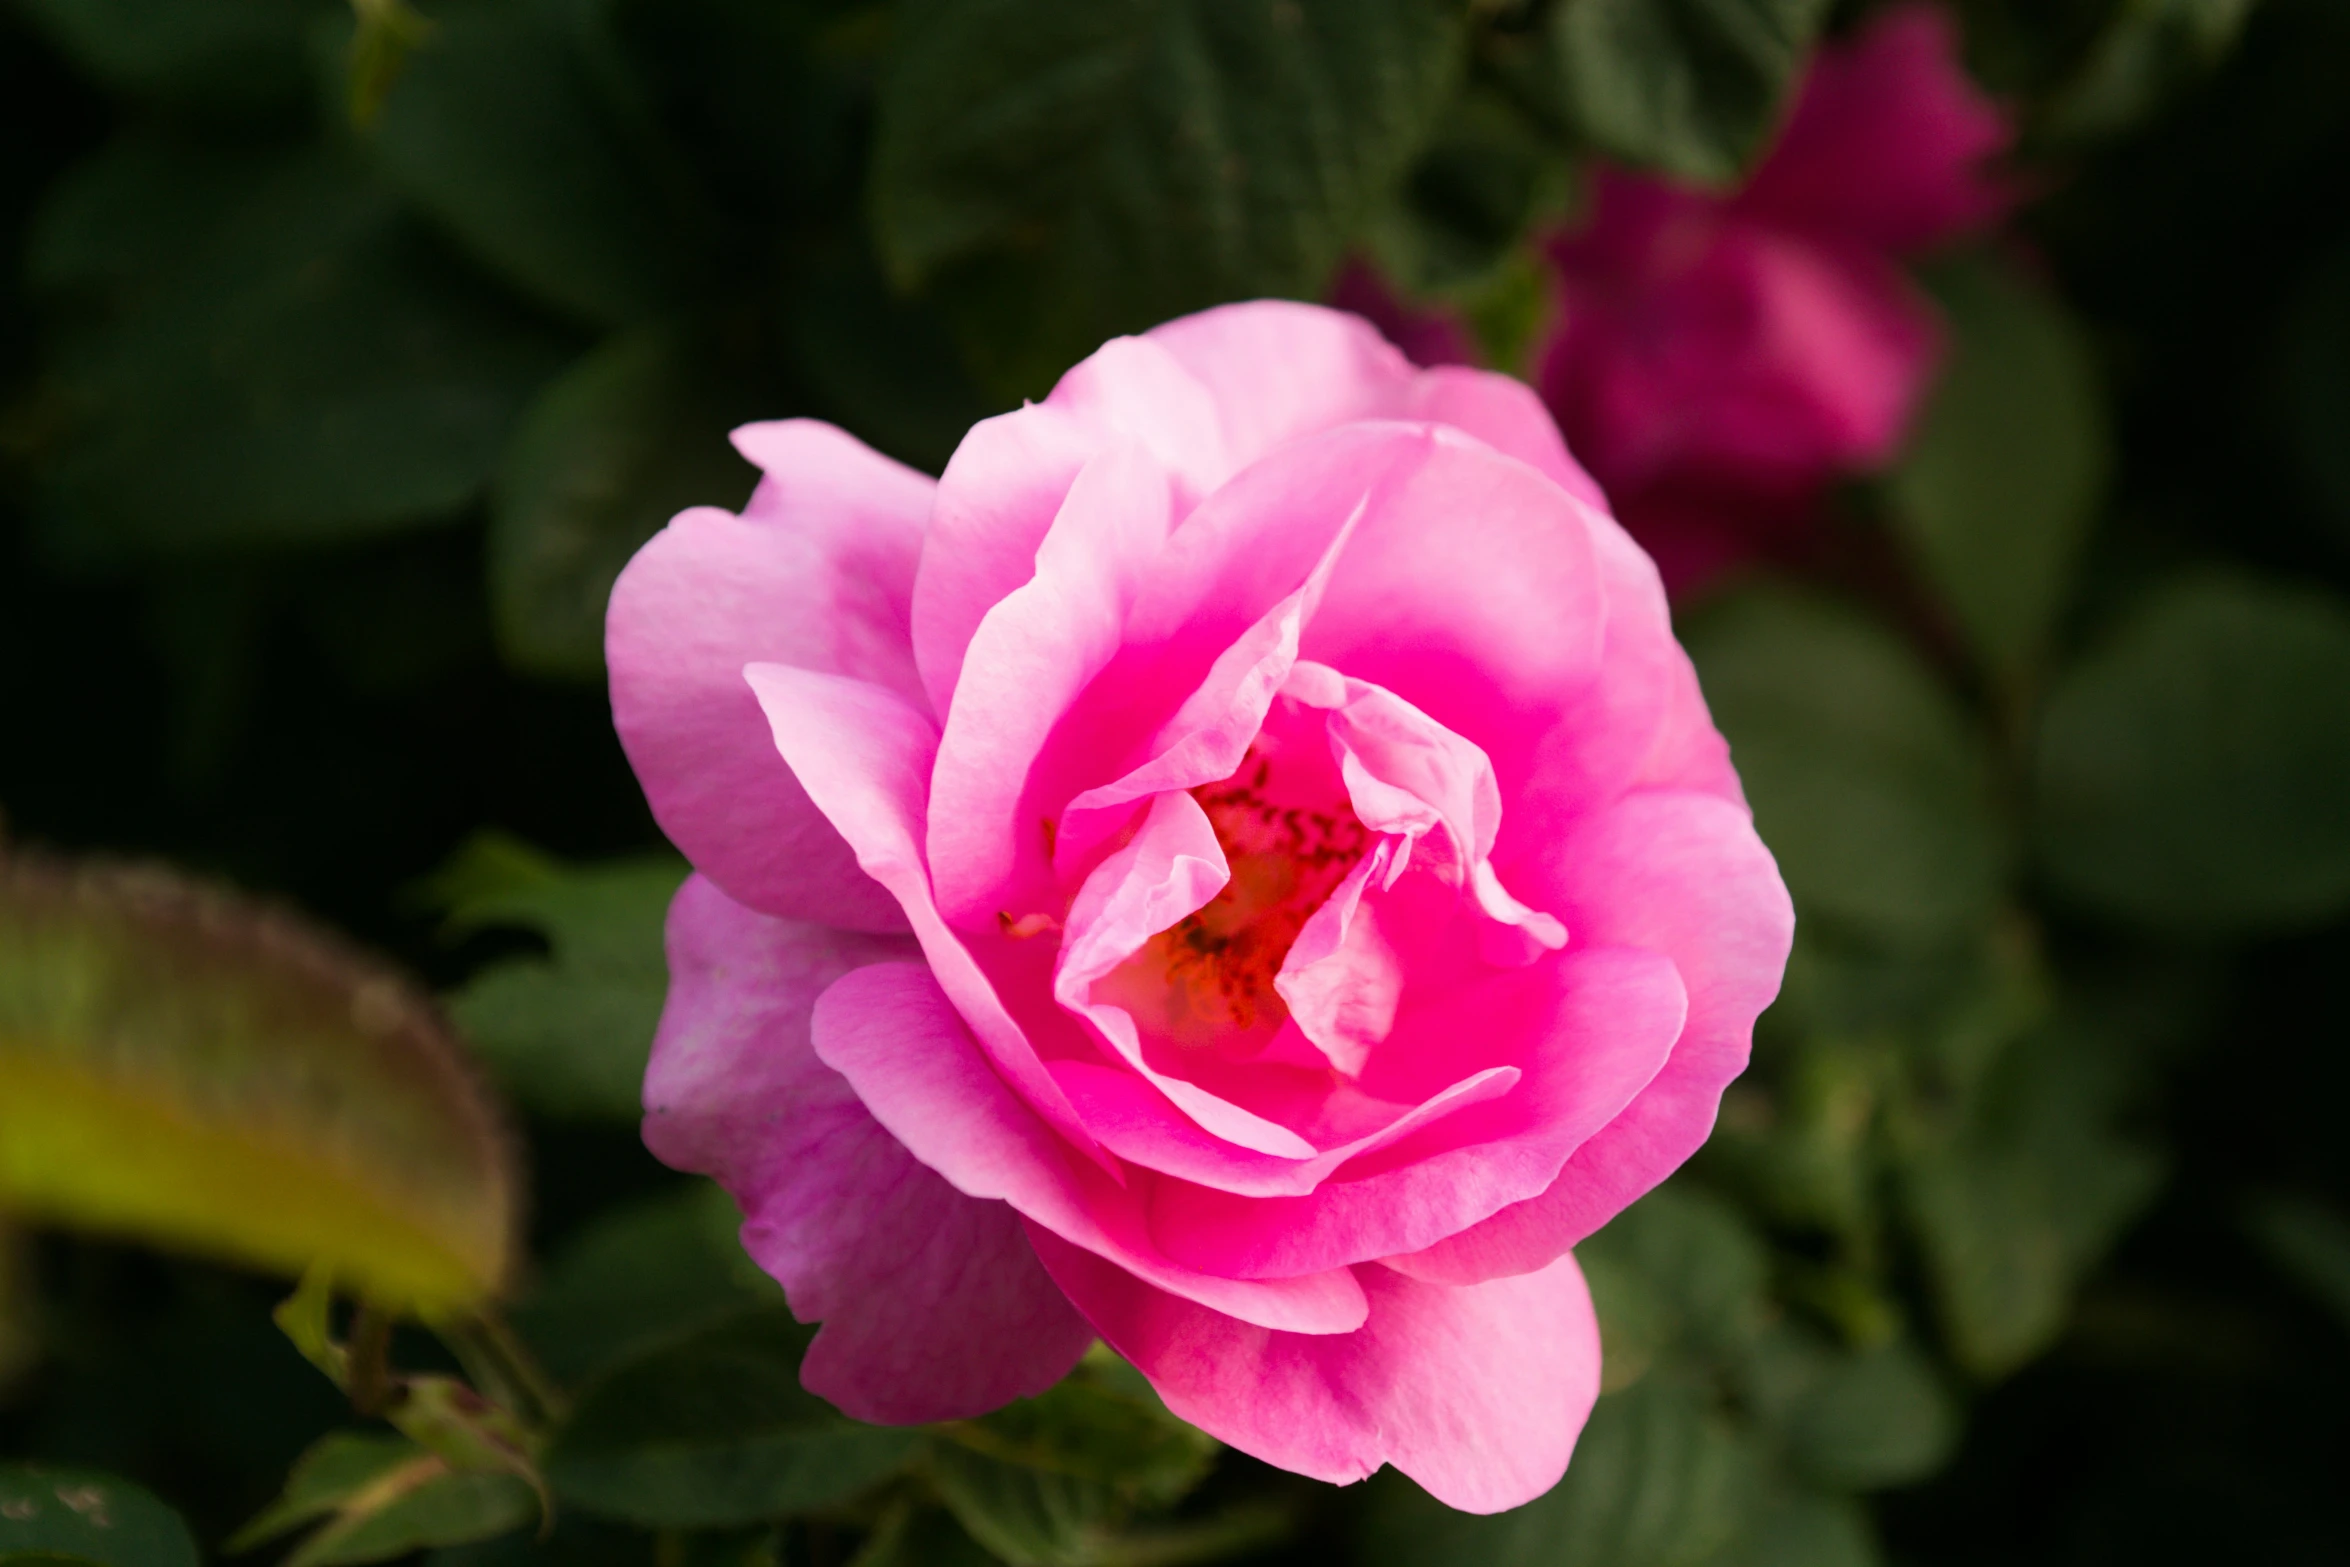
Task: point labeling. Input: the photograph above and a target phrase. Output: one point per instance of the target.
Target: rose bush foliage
(1239, 865)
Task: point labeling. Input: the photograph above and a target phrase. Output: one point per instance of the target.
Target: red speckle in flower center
(1286, 860)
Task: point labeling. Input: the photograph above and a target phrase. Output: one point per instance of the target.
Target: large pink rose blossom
(1719, 359)
(1238, 866)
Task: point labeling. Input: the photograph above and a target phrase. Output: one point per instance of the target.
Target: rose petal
(891, 1031)
(1595, 1026)
(816, 574)
(933, 1304)
(1477, 1393)
(1681, 874)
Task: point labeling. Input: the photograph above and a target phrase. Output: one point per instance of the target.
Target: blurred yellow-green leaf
(188, 1067)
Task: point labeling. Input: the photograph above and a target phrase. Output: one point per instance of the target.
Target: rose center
(1286, 858)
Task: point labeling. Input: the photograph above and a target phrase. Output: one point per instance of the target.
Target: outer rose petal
(1504, 413)
(891, 1032)
(816, 574)
(933, 1305)
(1477, 1393)
(1684, 875)
(1279, 371)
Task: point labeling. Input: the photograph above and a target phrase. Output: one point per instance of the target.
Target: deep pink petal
(892, 1032)
(933, 1304)
(1683, 875)
(1477, 1393)
(816, 574)
(1595, 1025)
(1891, 143)
(1469, 589)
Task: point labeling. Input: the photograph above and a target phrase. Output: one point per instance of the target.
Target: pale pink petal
(1477, 1393)
(1504, 413)
(1679, 874)
(1033, 653)
(1891, 143)
(891, 1031)
(1280, 371)
(933, 1304)
(1592, 1027)
(817, 575)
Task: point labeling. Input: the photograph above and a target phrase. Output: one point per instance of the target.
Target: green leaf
(2313, 377)
(2145, 53)
(2003, 479)
(637, 1275)
(713, 1429)
(495, 126)
(606, 455)
(1110, 165)
(1678, 1273)
(568, 1033)
(2191, 769)
(182, 1065)
(921, 1537)
(386, 1496)
(1028, 1517)
(88, 1517)
(1689, 87)
(243, 57)
(1857, 1420)
(1803, 1529)
(1091, 1428)
(1868, 784)
(2311, 1241)
(300, 367)
(1660, 1479)
(2015, 1194)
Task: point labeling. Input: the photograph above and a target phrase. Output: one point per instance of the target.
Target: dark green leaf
(628, 437)
(234, 56)
(495, 126)
(921, 1537)
(1853, 1421)
(2146, 51)
(1867, 783)
(1689, 87)
(1803, 1529)
(337, 1466)
(882, 366)
(87, 1516)
(714, 1429)
(1659, 1479)
(1115, 164)
(1678, 1272)
(2312, 1242)
(1029, 1517)
(569, 1033)
(2192, 769)
(637, 1275)
(302, 367)
(2003, 479)
(446, 1509)
(2017, 1191)
(1090, 1428)
(2313, 376)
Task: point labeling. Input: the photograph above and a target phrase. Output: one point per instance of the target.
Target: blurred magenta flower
(1239, 866)
(1720, 358)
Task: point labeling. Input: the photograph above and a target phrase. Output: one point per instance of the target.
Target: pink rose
(1239, 866)
(1719, 359)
